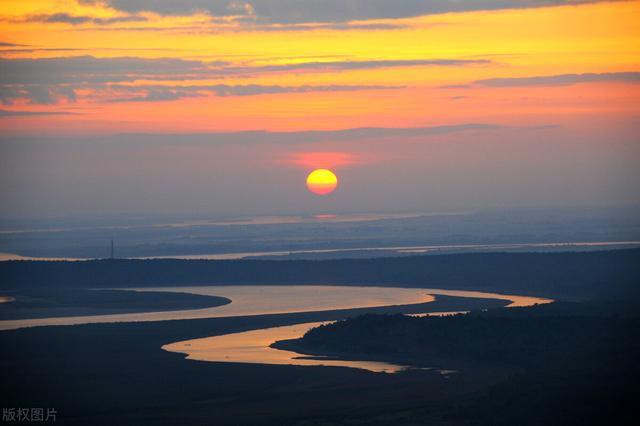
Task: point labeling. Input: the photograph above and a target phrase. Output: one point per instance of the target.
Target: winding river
(253, 346)
(252, 300)
(261, 300)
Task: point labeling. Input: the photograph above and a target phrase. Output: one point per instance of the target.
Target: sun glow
(322, 181)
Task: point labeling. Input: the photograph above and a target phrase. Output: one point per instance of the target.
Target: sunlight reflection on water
(253, 300)
(253, 346)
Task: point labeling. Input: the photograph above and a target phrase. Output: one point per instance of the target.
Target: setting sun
(322, 181)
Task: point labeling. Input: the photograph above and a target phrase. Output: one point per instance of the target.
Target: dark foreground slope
(116, 373)
(562, 334)
(557, 275)
(561, 364)
(107, 374)
(575, 363)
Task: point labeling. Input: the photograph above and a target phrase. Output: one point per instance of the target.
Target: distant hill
(602, 274)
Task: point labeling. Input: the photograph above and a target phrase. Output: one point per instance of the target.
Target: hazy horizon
(263, 173)
(223, 107)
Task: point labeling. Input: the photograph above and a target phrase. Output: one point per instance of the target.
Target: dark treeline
(575, 363)
(536, 338)
(569, 274)
(60, 302)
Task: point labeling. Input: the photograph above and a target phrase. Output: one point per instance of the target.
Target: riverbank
(60, 303)
(575, 275)
(578, 361)
(135, 377)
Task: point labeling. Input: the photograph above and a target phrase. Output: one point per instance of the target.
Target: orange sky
(471, 107)
(594, 38)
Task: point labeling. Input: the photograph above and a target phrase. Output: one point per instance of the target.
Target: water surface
(253, 300)
(254, 346)
(395, 250)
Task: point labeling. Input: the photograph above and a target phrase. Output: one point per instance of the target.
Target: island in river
(33, 303)
(567, 363)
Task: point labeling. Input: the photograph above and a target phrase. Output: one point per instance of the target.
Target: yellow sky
(594, 38)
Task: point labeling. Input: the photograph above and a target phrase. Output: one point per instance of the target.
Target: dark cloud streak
(313, 11)
(48, 80)
(561, 80)
(171, 93)
(360, 65)
(66, 18)
(260, 137)
(88, 69)
(5, 44)
(364, 134)
(10, 113)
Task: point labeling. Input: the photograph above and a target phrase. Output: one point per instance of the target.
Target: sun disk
(322, 181)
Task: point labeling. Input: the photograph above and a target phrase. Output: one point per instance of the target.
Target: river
(273, 299)
(253, 346)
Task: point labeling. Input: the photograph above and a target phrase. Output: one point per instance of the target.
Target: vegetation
(603, 274)
(532, 338)
(54, 302)
(557, 364)
(575, 363)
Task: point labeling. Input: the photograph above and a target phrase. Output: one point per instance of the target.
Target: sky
(223, 107)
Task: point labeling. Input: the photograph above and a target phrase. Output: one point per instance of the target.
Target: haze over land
(330, 236)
